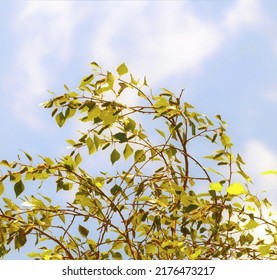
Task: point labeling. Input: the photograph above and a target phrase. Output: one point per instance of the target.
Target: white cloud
(42, 31)
(259, 158)
(243, 14)
(157, 40)
(163, 40)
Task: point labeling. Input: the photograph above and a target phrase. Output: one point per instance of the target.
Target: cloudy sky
(223, 52)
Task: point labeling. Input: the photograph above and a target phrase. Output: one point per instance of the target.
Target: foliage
(156, 201)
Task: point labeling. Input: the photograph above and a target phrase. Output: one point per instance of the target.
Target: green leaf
(122, 69)
(134, 81)
(70, 142)
(78, 159)
(109, 119)
(94, 113)
(236, 189)
(60, 119)
(20, 239)
(122, 87)
(266, 202)
(115, 156)
(129, 125)
(90, 145)
(161, 132)
(161, 102)
(139, 156)
(19, 188)
(66, 87)
(69, 113)
(83, 231)
(239, 159)
(48, 161)
(106, 146)
(5, 163)
(115, 189)
(86, 80)
(188, 106)
(122, 137)
(191, 207)
(216, 186)
(145, 82)
(27, 155)
(128, 150)
(94, 64)
(1, 188)
(97, 141)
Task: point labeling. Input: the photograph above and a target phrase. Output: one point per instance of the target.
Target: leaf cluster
(157, 200)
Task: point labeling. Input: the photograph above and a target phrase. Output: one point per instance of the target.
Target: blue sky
(224, 53)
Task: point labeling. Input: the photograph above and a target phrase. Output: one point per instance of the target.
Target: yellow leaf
(1, 188)
(274, 172)
(236, 189)
(122, 69)
(151, 249)
(251, 224)
(216, 187)
(195, 255)
(264, 249)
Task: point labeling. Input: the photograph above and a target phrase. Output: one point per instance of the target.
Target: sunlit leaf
(196, 254)
(122, 69)
(266, 203)
(78, 159)
(226, 140)
(151, 248)
(188, 106)
(69, 113)
(236, 189)
(90, 145)
(122, 87)
(251, 224)
(216, 186)
(1, 188)
(97, 141)
(270, 172)
(128, 150)
(86, 80)
(140, 156)
(264, 249)
(161, 132)
(94, 113)
(60, 119)
(239, 159)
